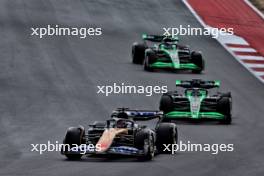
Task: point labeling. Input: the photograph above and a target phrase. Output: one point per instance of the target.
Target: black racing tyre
(150, 58)
(197, 59)
(166, 120)
(166, 103)
(73, 137)
(138, 53)
(100, 124)
(224, 107)
(166, 133)
(144, 140)
(227, 94)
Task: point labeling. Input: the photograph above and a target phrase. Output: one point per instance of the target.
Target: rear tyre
(138, 53)
(149, 59)
(99, 124)
(228, 94)
(166, 133)
(74, 136)
(144, 140)
(197, 59)
(224, 107)
(166, 120)
(166, 104)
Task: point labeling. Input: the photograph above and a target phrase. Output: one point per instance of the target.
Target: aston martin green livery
(164, 52)
(196, 102)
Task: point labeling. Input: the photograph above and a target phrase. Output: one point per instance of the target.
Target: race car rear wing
(159, 38)
(137, 115)
(198, 83)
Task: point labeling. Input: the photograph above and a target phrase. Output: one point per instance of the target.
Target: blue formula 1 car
(121, 135)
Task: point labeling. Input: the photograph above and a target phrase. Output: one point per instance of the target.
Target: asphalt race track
(47, 85)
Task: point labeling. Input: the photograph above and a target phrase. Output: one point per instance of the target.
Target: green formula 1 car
(164, 52)
(196, 103)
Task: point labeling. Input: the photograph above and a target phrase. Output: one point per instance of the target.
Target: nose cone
(195, 103)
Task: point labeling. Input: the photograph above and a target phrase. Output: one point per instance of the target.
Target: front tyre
(149, 59)
(197, 59)
(138, 53)
(166, 134)
(224, 107)
(74, 137)
(144, 140)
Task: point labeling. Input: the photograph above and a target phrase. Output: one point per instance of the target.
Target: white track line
(251, 57)
(259, 74)
(242, 49)
(254, 65)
